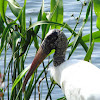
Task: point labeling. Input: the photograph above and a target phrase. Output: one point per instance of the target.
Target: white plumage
(79, 80)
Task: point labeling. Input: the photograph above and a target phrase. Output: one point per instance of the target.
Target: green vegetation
(11, 31)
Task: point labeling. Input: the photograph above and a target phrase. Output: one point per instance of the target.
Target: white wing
(80, 80)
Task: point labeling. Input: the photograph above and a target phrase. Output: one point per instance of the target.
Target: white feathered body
(79, 80)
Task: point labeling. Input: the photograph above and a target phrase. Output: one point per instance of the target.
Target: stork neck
(59, 57)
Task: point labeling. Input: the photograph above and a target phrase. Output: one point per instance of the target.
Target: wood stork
(79, 80)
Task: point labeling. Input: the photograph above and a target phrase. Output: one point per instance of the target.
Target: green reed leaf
(45, 27)
(3, 7)
(1, 24)
(58, 24)
(6, 31)
(95, 36)
(19, 77)
(78, 39)
(37, 27)
(28, 92)
(97, 12)
(62, 98)
(57, 12)
(15, 8)
(75, 44)
(89, 52)
(52, 23)
(15, 37)
(88, 11)
(52, 51)
(23, 19)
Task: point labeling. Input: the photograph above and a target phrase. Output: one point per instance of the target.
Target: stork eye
(49, 37)
(52, 37)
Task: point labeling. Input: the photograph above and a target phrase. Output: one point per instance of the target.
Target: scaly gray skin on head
(58, 41)
(60, 50)
(55, 39)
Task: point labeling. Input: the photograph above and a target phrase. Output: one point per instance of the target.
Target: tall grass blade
(19, 77)
(62, 98)
(37, 27)
(18, 94)
(91, 20)
(28, 91)
(97, 12)
(57, 12)
(75, 44)
(88, 11)
(78, 37)
(52, 23)
(15, 8)
(3, 7)
(6, 31)
(23, 19)
(45, 27)
(89, 52)
(2, 26)
(95, 37)
(15, 38)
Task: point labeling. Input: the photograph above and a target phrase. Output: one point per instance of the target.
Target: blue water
(70, 7)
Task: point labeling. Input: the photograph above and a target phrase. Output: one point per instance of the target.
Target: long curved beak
(39, 57)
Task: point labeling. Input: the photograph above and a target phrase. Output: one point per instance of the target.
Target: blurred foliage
(97, 12)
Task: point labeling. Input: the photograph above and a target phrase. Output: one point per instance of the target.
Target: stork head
(55, 39)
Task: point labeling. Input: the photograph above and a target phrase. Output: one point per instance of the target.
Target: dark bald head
(54, 39)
